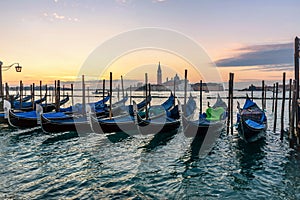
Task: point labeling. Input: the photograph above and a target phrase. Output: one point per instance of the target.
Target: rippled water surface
(34, 165)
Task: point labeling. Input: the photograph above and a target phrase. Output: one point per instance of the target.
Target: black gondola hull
(102, 126)
(21, 122)
(57, 126)
(250, 134)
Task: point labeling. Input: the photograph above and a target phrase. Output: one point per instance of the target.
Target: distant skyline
(52, 39)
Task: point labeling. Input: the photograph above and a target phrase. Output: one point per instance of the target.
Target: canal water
(35, 165)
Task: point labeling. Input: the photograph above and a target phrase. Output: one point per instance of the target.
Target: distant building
(179, 84)
(159, 75)
(208, 87)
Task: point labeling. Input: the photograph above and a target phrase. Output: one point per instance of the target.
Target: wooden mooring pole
(200, 111)
(275, 108)
(88, 94)
(273, 97)
(185, 91)
(46, 93)
(110, 93)
(263, 95)
(122, 87)
(130, 95)
(252, 91)
(72, 93)
(103, 89)
(292, 121)
(290, 100)
(83, 95)
(230, 104)
(296, 63)
(6, 91)
(282, 106)
(146, 92)
(41, 90)
(57, 96)
(21, 94)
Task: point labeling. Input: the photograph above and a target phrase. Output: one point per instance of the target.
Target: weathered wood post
(146, 92)
(201, 89)
(33, 95)
(41, 90)
(130, 95)
(88, 94)
(275, 108)
(185, 91)
(231, 103)
(282, 107)
(252, 87)
(110, 93)
(72, 93)
(122, 86)
(6, 91)
(83, 95)
(21, 94)
(263, 95)
(296, 62)
(46, 93)
(57, 96)
(292, 122)
(273, 98)
(103, 89)
(290, 99)
(118, 93)
(54, 92)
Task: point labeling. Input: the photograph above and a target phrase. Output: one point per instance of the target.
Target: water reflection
(250, 157)
(161, 138)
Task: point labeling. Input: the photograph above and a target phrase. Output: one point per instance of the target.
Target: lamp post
(5, 68)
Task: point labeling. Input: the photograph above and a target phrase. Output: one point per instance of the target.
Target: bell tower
(159, 75)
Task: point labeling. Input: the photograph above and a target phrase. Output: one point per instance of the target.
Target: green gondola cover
(214, 114)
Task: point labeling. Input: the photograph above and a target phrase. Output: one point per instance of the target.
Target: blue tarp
(30, 114)
(249, 103)
(254, 124)
(55, 115)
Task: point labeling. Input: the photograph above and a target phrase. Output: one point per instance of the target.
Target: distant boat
(252, 121)
(99, 91)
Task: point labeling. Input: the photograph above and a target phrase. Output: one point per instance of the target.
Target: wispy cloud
(271, 68)
(267, 57)
(56, 16)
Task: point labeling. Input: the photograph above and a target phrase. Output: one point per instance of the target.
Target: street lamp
(5, 68)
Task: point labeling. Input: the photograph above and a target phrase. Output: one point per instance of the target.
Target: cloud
(271, 68)
(56, 16)
(264, 56)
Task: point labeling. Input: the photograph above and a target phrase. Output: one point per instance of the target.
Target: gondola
(125, 123)
(75, 121)
(167, 121)
(213, 120)
(65, 123)
(28, 106)
(251, 121)
(28, 119)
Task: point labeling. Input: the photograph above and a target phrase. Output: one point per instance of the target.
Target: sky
(53, 39)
